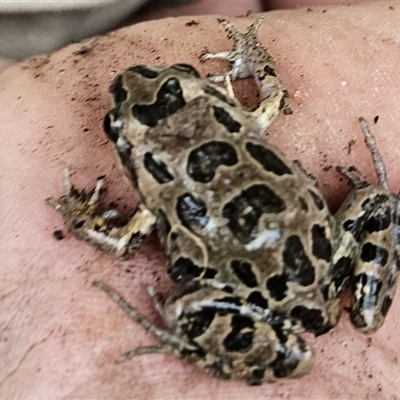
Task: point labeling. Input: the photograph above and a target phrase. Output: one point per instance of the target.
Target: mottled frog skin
(248, 236)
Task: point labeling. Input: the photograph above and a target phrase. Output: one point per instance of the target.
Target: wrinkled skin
(60, 334)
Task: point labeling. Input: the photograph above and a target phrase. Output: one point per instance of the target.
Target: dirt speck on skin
(83, 51)
(36, 62)
(37, 65)
(192, 22)
(58, 234)
(350, 146)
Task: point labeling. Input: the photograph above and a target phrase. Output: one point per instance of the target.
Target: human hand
(60, 335)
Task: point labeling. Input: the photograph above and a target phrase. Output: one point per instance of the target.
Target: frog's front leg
(369, 245)
(249, 58)
(89, 221)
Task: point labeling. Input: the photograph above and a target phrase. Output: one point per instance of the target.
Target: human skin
(59, 336)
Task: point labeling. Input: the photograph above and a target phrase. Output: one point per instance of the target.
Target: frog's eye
(113, 124)
(117, 90)
(170, 88)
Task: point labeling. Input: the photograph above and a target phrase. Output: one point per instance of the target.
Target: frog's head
(142, 95)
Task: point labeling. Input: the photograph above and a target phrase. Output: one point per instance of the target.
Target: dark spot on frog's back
(169, 100)
(311, 319)
(205, 159)
(258, 299)
(192, 211)
(269, 70)
(209, 273)
(379, 222)
(370, 289)
(241, 337)
(211, 90)
(217, 368)
(157, 169)
(268, 159)
(257, 376)
(303, 204)
(321, 246)
(387, 302)
(341, 274)
(353, 226)
(224, 118)
(377, 254)
(198, 323)
(244, 272)
(297, 266)
(277, 287)
(288, 360)
(184, 270)
(243, 211)
(317, 200)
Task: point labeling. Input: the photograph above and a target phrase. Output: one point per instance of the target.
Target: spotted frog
(248, 236)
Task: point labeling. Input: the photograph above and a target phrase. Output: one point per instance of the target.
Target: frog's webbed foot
(249, 58)
(370, 244)
(89, 221)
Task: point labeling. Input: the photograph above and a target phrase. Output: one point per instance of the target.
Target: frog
(257, 257)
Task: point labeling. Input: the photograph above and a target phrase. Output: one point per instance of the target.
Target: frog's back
(233, 209)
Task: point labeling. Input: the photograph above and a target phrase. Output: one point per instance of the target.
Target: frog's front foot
(244, 44)
(88, 220)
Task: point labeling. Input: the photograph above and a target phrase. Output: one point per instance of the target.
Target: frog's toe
(75, 204)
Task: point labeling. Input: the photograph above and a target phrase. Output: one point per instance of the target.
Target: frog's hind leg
(249, 58)
(171, 343)
(253, 343)
(89, 221)
(369, 246)
(227, 340)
